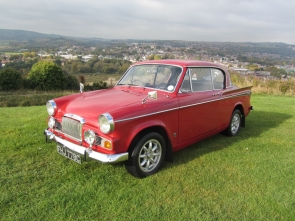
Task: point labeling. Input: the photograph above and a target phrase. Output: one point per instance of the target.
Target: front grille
(72, 127)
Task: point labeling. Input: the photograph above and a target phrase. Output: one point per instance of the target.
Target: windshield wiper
(137, 85)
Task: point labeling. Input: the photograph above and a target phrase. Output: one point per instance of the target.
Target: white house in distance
(66, 55)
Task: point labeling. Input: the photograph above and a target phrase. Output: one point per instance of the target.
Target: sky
(189, 20)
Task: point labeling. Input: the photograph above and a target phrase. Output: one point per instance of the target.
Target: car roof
(180, 62)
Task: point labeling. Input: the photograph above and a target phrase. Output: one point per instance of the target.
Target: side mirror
(151, 94)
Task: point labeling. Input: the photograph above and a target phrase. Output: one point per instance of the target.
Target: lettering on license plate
(69, 154)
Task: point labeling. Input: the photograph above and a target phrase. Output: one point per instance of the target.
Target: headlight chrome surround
(106, 123)
(89, 137)
(51, 107)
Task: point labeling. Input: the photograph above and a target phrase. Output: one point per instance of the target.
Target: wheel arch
(158, 129)
(241, 109)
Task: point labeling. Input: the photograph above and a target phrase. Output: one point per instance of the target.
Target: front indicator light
(51, 122)
(106, 144)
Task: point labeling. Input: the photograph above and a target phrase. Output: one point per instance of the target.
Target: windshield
(164, 77)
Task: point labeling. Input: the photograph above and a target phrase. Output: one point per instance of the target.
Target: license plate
(64, 151)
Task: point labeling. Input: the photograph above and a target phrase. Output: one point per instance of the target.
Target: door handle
(216, 94)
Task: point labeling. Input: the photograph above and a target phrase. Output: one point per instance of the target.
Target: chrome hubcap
(235, 123)
(150, 155)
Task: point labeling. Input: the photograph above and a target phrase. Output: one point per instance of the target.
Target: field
(29, 98)
(111, 79)
(247, 177)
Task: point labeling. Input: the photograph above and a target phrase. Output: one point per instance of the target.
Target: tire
(147, 155)
(235, 123)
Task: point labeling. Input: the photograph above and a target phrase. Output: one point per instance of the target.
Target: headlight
(89, 137)
(51, 107)
(106, 123)
(51, 122)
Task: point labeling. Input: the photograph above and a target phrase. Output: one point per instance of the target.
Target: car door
(198, 104)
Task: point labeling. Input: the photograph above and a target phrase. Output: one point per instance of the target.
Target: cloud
(221, 20)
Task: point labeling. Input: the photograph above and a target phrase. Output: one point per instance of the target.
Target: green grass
(247, 177)
(29, 98)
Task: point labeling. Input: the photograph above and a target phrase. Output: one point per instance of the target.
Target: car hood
(90, 105)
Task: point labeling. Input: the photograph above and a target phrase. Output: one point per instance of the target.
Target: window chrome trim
(156, 63)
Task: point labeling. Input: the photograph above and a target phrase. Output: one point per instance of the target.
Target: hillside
(17, 39)
(21, 35)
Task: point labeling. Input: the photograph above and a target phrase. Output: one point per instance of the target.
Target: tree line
(46, 75)
(95, 65)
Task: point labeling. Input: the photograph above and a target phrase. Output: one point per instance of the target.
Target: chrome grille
(72, 127)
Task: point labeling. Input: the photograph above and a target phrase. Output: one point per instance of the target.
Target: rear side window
(218, 79)
(202, 79)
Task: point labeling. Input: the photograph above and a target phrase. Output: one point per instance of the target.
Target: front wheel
(235, 123)
(147, 155)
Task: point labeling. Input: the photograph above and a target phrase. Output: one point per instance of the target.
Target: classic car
(157, 108)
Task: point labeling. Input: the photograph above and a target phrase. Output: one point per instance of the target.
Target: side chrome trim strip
(205, 102)
(238, 95)
(191, 105)
(146, 115)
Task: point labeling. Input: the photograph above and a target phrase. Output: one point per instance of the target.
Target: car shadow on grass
(257, 122)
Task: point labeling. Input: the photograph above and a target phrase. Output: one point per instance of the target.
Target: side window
(218, 79)
(186, 84)
(201, 79)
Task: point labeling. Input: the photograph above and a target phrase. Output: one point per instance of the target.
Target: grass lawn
(247, 177)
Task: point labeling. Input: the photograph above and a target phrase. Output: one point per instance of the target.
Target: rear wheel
(235, 123)
(147, 155)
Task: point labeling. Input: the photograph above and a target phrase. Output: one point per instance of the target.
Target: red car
(156, 108)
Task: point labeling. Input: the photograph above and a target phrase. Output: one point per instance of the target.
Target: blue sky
(191, 20)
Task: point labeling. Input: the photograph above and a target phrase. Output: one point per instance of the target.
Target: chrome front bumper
(87, 153)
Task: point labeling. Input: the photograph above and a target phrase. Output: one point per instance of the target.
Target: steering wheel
(162, 86)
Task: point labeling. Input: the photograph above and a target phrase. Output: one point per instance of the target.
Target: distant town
(264, 60)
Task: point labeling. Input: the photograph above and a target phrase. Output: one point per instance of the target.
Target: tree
(276, 72)
(82, 79)
(151, 57)
(10, 79)
(57, 61)
(46, 75)
(157, 57)
(71, 83)
(15, 57)
(29, 54)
